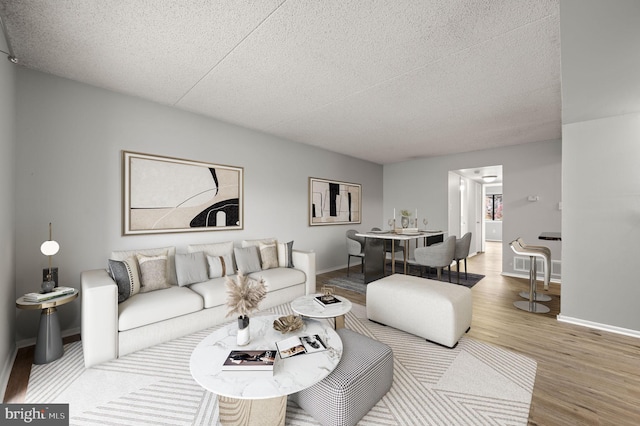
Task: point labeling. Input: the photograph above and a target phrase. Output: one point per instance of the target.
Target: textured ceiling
(384, 81)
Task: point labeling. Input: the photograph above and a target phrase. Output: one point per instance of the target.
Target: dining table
(375, 252)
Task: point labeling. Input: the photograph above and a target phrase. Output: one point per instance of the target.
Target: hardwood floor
(584, 376)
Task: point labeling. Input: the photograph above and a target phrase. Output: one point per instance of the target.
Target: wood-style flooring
(584, 376)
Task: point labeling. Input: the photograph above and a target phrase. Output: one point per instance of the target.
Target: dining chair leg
(458, 270)
(466, 277)
(348, 262)
(449, 273)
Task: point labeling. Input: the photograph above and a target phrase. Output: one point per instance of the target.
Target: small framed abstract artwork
(334, 202)
(163, 194)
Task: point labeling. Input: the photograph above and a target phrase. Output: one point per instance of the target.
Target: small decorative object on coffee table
(288, 324)
(244, 296)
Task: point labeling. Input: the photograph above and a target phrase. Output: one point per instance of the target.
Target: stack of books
(42, 297)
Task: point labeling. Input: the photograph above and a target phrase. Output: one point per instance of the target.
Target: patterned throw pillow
(125, 274)
(285, 254)
(219, 266)
(269, 255)
(153, 272)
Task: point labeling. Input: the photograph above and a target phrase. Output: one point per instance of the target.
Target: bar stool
(531, 305)
(547, 270)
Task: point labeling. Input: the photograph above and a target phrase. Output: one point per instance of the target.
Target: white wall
(529, 169)
(601, 155)
(70, 138)
(7, 214)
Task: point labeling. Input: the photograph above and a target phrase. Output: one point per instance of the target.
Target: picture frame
(333, 202)
(167, 195)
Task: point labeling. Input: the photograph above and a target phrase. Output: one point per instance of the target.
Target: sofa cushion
(224, 249)
(213, 291)
(170, 252)
(148, 308)
(269, 255)
(153, 272)
(285, 254)
(247, 259)
(279, 278)
(191, 268)
(219, 266)
(125, 274)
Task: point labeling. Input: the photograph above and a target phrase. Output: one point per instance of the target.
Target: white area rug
(473, 384)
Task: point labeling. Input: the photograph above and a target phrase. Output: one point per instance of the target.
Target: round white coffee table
(308, 307)
(243, 394)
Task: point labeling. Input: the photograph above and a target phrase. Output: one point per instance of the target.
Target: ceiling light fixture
(489, 178)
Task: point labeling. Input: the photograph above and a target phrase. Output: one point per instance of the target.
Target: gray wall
(70, 138)
(7, 214)
(529, 169)
(600, 163)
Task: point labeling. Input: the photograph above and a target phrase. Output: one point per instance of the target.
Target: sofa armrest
(99, 317)
(306, 262)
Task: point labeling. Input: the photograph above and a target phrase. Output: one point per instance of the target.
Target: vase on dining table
(404, 221)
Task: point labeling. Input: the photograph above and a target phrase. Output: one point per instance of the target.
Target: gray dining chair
(437, 256)
(355, 248)
(462, 252)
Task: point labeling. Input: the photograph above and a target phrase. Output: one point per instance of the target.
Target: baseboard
(5, 373)
(32, 340)
(598, 326)
(526, 277)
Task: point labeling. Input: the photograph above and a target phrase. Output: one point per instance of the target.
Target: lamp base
(47, 286)
(54, 275)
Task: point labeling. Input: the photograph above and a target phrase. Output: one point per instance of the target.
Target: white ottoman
(437, 311)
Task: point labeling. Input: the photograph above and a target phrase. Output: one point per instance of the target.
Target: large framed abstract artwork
(334, 203)
(162, 194)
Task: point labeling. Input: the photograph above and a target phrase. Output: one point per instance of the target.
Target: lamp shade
(49, 248)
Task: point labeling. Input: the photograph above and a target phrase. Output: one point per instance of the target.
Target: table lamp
(49, 248)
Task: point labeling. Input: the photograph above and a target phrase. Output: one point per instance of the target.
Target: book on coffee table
(300, 345)
(258, 360)
(325, 300)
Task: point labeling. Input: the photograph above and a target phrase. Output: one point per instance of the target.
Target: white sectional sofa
(111, 329)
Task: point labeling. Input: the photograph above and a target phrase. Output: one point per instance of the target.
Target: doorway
(475, 205)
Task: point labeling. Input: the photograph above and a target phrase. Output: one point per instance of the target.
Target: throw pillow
(191, 268)
(125, 274)
(269, 255)
(285, 254)
(219, 266)
(247, 259)
(224, 249)
(153, 272)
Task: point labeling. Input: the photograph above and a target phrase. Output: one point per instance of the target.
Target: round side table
(49, 342)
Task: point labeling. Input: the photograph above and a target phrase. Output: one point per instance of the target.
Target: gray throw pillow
(247, 259)
(191, 268)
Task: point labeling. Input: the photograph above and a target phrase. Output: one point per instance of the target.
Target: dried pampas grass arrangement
(244, 295)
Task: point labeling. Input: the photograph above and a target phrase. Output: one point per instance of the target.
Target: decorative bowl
(288, 324)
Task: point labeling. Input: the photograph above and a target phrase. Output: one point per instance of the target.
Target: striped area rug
(473, 384)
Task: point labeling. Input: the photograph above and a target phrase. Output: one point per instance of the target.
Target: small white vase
(243, 331)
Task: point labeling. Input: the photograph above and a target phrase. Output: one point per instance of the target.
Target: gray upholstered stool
(363, 376)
